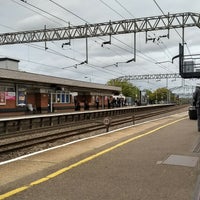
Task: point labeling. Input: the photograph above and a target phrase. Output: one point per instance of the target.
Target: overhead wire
(125, 8)
(150, 59)
(50, 19)
(57, 4)
(44, 11)
(128, 45)
(78, 61)
(69, 11)
(134, 17)
(145, 57)
(112, 9)
(81, 17)
(36, 46)
(90, 64)
(50, 51)
(163, 14)
(53, 51)
(62, 8)
(174, 28)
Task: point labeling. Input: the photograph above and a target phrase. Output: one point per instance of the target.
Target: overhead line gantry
(145, 24)
(149, 76)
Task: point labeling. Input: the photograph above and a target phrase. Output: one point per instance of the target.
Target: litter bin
(192, 112)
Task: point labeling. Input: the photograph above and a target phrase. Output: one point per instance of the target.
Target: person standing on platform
(196, 103)
(86, 105)
(97, 103)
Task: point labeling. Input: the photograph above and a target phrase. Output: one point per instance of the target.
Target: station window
(10, 89)
(60, 97)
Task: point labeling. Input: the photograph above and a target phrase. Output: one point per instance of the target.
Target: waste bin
(192, 112)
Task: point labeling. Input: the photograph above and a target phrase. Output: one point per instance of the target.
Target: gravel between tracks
(25, 151)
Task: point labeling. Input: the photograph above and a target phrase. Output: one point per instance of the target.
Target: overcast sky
(18, 15)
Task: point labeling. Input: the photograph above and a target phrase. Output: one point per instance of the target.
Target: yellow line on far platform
(65, 169)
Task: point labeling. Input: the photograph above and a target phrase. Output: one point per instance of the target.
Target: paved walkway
(157, 160)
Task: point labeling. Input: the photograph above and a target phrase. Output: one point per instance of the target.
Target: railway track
(27, 140)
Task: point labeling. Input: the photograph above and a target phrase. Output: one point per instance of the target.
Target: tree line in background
(160, 95)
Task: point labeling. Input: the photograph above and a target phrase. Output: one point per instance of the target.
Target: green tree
(128, 89)
(162, 95)
(149, 94)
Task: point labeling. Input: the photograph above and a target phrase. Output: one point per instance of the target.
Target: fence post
(133, 117)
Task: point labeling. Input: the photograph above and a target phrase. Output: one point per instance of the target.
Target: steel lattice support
(149, 76)
(136, 25)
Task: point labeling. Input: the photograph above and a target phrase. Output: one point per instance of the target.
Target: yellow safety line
(53, 175)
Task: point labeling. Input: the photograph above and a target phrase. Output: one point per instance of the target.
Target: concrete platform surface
(153, 160)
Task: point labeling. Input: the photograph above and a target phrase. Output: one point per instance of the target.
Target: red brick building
(22, 92)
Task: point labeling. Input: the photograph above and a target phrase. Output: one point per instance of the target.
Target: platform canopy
(40, 81)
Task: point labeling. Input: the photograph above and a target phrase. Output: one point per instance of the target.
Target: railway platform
(153, 160)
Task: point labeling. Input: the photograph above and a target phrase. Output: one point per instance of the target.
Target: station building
(23, 92)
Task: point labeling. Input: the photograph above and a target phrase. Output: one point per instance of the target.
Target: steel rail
(20, 124)
(77, 131)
